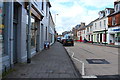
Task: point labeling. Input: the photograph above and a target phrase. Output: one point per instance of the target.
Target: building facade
(51, 29)
(100, 26)
(114, 25)
(81, 34)
(89, 32)
(14, 30)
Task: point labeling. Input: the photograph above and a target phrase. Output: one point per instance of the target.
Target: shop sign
(116, 29)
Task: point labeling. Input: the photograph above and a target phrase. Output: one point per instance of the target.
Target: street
(85, 52)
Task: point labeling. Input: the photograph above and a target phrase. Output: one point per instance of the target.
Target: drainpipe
(11, 34)
(105, 36)
(28, 35)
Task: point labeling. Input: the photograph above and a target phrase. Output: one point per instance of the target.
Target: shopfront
(1, 29)
(114, 35)
(35, 31)
(4, 23)
(1, 35)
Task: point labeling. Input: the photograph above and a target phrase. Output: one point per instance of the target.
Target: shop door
(92, 38)
(80, 38)
(15, 43)
(15, 32)
(101, 37)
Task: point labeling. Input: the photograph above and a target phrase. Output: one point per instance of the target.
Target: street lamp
(55, 24)
(55, 18)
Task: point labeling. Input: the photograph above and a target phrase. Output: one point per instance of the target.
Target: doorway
(101, 37)
(15, 32)
(15, 43)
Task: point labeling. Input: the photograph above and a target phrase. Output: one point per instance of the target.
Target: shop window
(33, 32)
(117, 39)
(2, 27)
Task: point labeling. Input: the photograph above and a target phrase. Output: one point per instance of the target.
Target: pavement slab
(50, 63)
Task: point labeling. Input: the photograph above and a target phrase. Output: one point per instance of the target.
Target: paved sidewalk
(51, 63)
(107, 45)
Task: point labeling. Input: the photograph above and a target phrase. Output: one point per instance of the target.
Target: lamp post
(55, 18)
(55, 23)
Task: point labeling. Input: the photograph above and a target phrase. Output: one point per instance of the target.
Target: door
(15, 32)
(15, 43)
(92, 38)
(80, 38)
(101, 37)
(42, 36)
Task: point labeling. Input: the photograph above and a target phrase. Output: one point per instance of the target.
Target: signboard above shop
(117, 29)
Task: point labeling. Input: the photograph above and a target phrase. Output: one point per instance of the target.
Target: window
(119, 7)
(113, 20)
(100, 23)
(46, 10)
(46, 33)
(95, 25)
(33, 32)
(117, 38)
(1, 28)
(104, 23)
(116, 7)
(90, 28)
(42, 4)
(87, 29)
(35, 2)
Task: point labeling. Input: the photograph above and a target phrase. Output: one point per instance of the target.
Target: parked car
(68, 41)
(62, 39)
(58, 39)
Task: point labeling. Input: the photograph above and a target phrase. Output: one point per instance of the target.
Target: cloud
(73, 12)
(97, 3)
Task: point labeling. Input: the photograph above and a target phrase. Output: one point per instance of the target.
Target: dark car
(68, 41)
(58, 39)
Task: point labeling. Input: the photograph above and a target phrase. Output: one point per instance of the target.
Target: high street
(87, 52)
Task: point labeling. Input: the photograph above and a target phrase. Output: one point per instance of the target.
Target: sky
(73, 12)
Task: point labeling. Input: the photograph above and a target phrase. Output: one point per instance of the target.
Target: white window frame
(113, 20)
(104, 23)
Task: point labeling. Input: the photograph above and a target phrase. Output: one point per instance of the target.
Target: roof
(110, 8)
(114, 13)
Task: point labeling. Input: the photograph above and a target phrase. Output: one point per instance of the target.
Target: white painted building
(100, 26)
(51, 29)
(44, 29)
